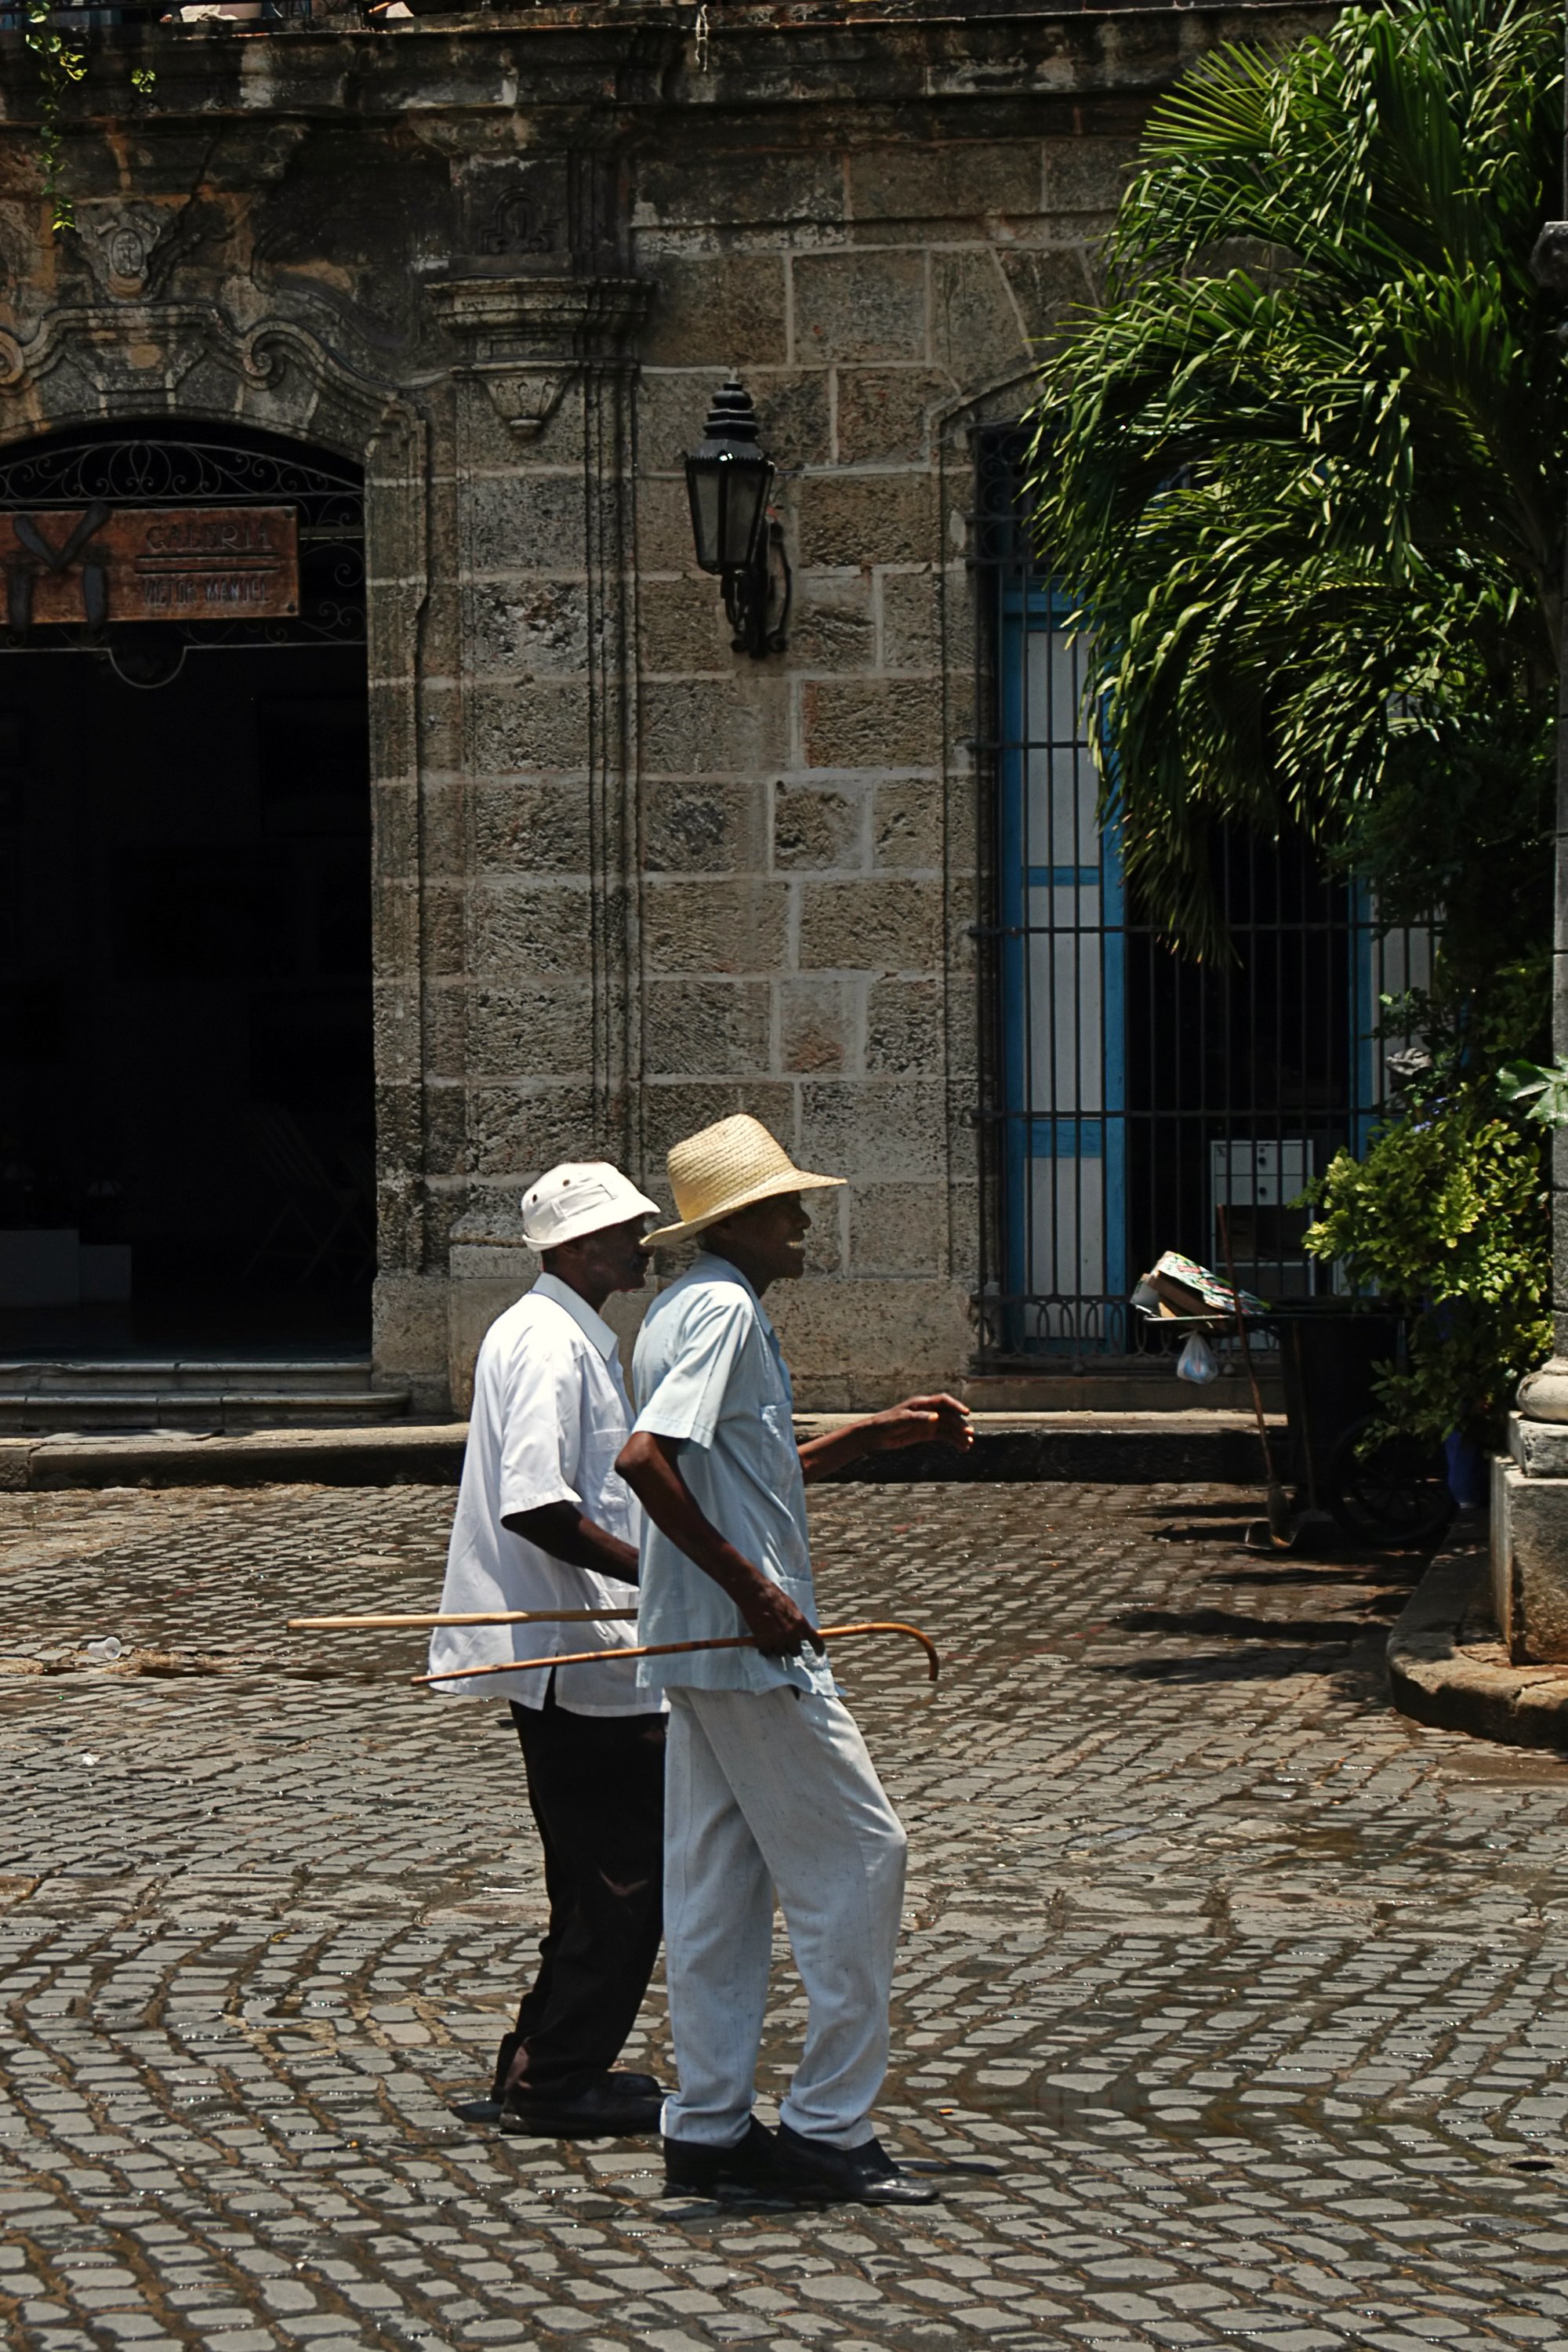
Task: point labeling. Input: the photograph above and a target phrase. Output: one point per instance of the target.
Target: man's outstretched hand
(919, 1420)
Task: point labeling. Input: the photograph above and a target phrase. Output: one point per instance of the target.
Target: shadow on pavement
(1398, 1573)
(1365, 1673)
(1238, 1628)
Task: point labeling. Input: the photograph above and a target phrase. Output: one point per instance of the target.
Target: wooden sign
(104, 563)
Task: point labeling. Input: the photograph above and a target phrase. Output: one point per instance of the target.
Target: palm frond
(1303, 468)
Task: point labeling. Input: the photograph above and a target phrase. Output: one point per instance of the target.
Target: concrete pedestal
(1530, 1541)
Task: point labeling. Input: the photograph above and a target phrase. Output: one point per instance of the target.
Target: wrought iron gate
(207, 466)
(1130, 1095)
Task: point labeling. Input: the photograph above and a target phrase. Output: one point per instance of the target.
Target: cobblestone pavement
(1252, 1991)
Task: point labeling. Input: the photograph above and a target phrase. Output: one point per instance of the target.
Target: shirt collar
(594, 1327)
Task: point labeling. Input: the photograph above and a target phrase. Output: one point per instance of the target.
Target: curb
(389, 1454)
(1088, 1448)
(1437, 1678)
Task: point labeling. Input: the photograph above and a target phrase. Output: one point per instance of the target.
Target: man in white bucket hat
(544, 1522)
(769, 1786)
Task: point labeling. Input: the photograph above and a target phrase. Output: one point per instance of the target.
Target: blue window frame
(1063, 971)
(1143, 1097)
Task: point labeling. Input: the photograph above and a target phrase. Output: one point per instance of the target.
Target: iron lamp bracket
(757, 596)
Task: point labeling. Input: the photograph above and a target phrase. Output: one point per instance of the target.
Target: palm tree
(1303, 469)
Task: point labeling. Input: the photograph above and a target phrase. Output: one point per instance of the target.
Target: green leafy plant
(1545, 1090)
(60, 63)
(1303, 469)
(1448, 1217)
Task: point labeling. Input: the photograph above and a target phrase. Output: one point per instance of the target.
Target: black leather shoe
(634, 2087)
(504, 2057)
(603, 2110)
(843, 2176)
(624, 2082)
(695, 2169)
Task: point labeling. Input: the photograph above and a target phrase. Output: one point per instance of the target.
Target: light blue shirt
(708, 1371)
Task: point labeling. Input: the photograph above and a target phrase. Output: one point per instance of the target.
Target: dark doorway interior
(185, 1061)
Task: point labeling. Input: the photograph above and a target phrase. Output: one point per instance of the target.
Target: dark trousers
(596, 1783)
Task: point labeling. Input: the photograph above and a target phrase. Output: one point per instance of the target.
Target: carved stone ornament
(135, 359)
(516, 223)
(524, 398)
(120, 247)
(526, 338)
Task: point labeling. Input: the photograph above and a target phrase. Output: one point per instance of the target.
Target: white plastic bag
(1196, 1362)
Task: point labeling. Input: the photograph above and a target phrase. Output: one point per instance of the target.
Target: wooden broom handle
(673, 1649)
(1222, 1214)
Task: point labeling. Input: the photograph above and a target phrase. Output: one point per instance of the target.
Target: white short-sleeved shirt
(708, 1370)
(551, 1413)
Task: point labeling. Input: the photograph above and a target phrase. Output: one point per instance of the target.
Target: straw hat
(725, 1168)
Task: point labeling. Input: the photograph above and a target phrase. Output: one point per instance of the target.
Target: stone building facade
(625, 879)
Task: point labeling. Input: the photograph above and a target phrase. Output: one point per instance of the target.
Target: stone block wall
(808, 827)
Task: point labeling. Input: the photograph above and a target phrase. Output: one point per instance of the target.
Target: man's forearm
(667, 1498)
(918, 1421)
(820, 1456)
(648, 1465)
(568, 1535)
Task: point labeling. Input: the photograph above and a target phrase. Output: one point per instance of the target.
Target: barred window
(1132, 1095)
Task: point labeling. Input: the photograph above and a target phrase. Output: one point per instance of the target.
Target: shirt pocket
(606, 1496)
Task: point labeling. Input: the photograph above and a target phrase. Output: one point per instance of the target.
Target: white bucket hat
(580, 1197)
(725, 1168)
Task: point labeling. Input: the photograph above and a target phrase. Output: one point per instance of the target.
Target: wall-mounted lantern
(728, 478)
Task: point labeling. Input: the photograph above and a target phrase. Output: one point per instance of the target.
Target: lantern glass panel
(745, 482)
(704, 485)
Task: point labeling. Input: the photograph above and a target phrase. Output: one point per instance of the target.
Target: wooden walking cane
(475, 1617)
(671, 1649)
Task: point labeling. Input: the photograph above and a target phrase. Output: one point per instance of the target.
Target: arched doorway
(185, 1047)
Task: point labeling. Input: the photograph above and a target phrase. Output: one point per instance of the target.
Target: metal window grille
(1130, 1095)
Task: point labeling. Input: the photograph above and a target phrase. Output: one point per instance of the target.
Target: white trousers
(770, 1791)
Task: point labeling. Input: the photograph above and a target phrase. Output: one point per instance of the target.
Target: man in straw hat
(769, 1784)
(544, 1522)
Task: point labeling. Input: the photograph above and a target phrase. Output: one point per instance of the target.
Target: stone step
(171, 1375)
(200, 1396)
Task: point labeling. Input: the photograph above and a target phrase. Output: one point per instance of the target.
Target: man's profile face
(769, 1238)
(611, 1259)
